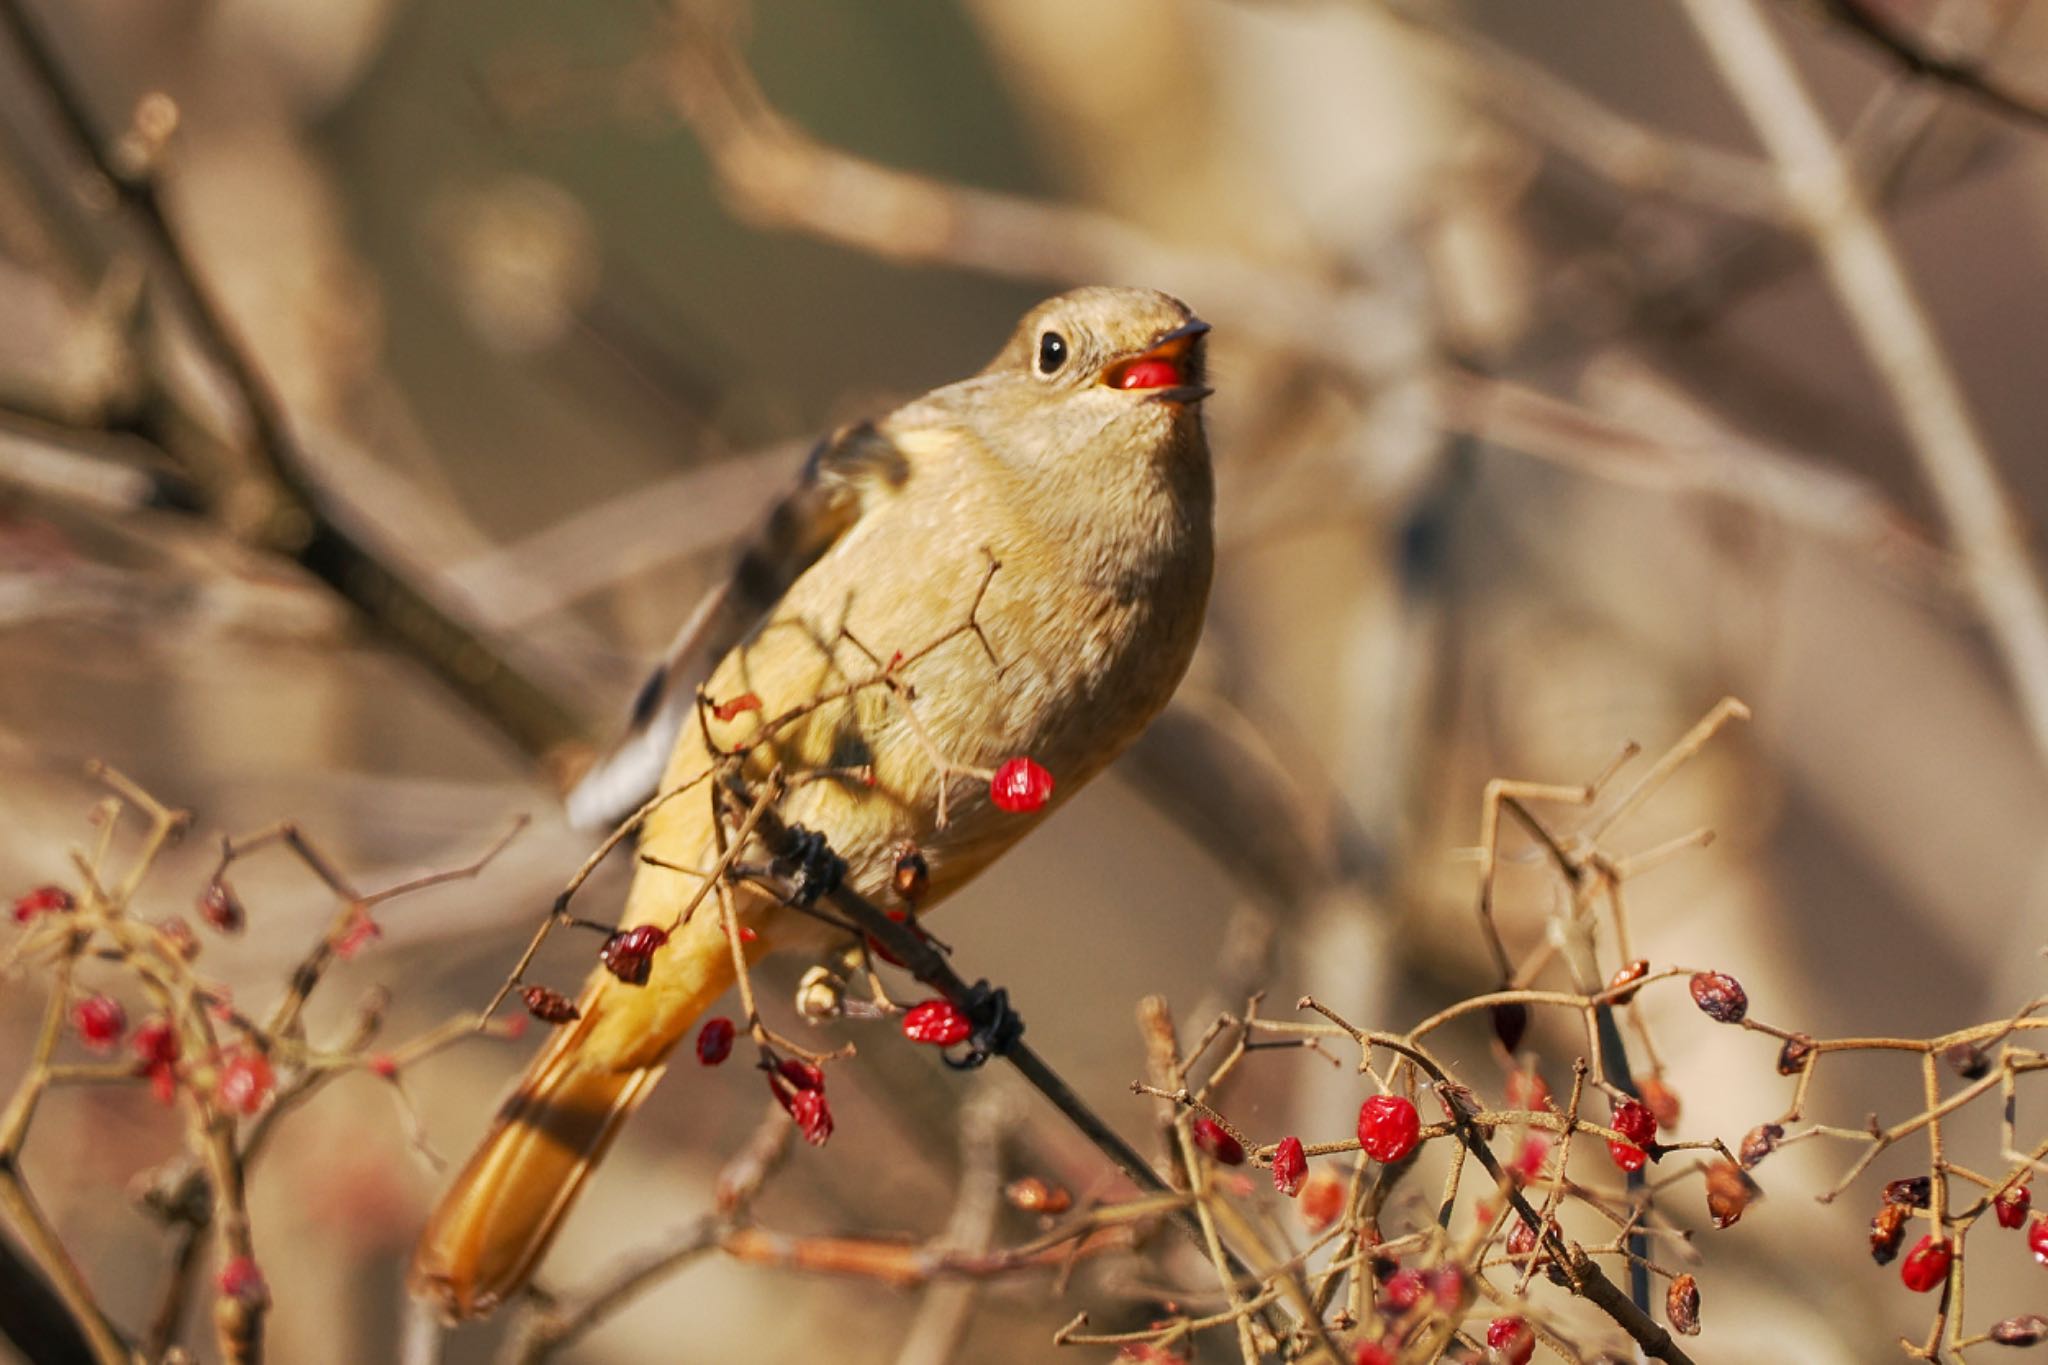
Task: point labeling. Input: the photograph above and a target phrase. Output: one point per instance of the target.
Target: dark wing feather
(827, 499)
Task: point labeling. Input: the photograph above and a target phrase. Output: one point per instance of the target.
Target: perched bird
(1025, 553)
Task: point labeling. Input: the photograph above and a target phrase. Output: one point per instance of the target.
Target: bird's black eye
(1052, 352)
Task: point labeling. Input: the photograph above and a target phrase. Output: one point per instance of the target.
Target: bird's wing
(843, 471)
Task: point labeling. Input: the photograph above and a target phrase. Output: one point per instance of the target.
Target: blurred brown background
(1539, 428)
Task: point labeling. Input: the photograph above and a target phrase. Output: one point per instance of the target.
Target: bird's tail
(496, 1220)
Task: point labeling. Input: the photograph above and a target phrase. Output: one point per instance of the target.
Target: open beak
(1162, 369)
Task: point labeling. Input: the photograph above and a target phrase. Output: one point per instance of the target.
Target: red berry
(1290, 1167)
(1020, 786)
(745, 701)
(938, 1022)
(1527, 1090)
(1510, 1341)
(1529, 1158)
(356, 934)
(2037, 1237)
(1388, 1127)
(812, 1115)
(240, 1279)
(1926, 1265)
(100, 1021)
(714, 1040)
(1449, 1287)
(1523, 1239)
(42, 900)
(1402, 1291)
(2012, 1206)
(246, 1081)
(1213, 1138)
(1322, 1201)
(800, 1074)
(382, 1065)
(1634, 1121)
(1372, 1353)
(156, 1052)
(1148, 374)
(1627, 1155)
(629, 953)
(221, 908)
(1720, 997)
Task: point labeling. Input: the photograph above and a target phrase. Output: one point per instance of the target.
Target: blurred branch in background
(274, 500)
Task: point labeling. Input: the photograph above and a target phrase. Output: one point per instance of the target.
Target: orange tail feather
(494, 1223)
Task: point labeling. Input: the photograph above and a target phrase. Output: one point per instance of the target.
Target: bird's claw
(997, 1027)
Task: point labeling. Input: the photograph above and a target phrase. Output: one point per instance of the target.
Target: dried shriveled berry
(1729, 1193)
(1914, 1191)
(1213, 1138)
(1720, 997)
(913, 875)
(2037, 1238)
(2028, 1329)
(1510, 1022)
(43, 900)
(938, 1022)
(1623, 982)
(1524, 1239)
(1794, 1056)
(1634, 1121)
(1388, 1127)
(1682, 1306)
(1322, 1201)
(100, 1022)
(1020, 786)
(1926, 1265)
(714, 1040)
(221, 908)
(1032, 1195)
(1372, 1353)
(245, 1083)
(550, 1007)
(2012, 1204)
(1290, 1167)
(1661, 1100)
(1887, 1230)
(1968, 1060)
(629, 953)
(177, 937)
(1510, 1340)
(1759, 1142)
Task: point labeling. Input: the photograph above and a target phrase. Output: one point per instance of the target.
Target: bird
(1013, 565)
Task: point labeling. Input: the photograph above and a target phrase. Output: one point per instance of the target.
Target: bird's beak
(1161, 370)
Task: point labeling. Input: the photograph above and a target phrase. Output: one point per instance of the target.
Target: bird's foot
(997, 1027)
